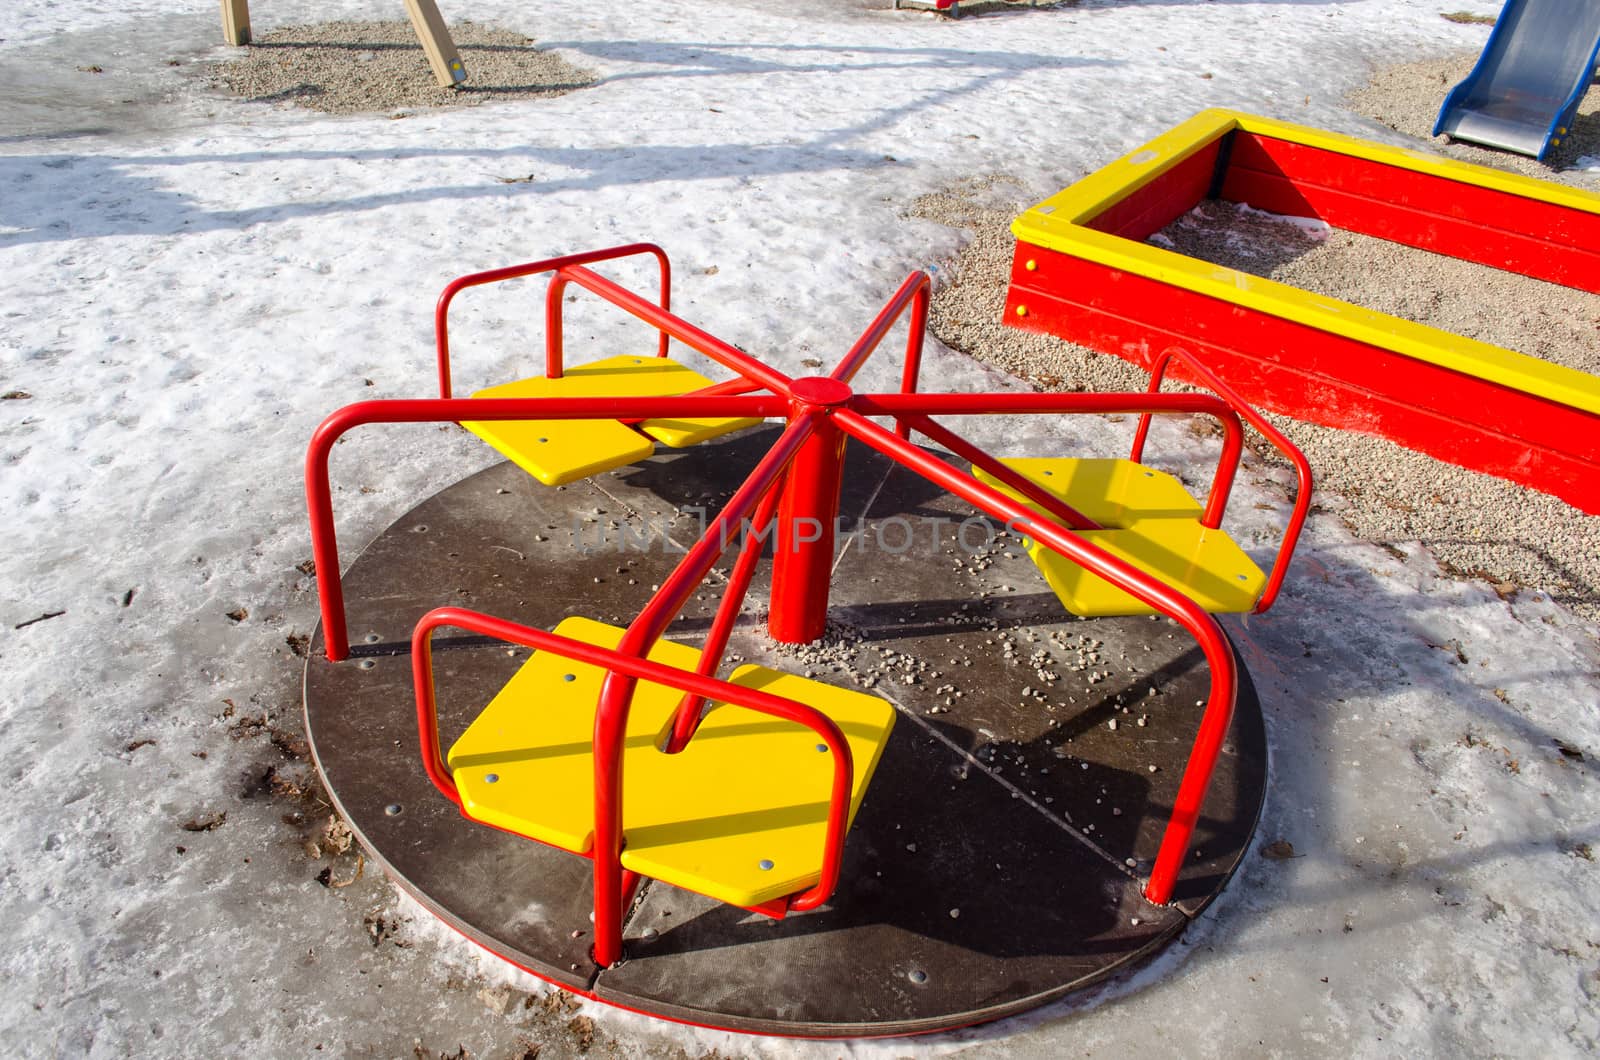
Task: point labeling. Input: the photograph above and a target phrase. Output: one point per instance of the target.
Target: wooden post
(236, 21)
(435, 38)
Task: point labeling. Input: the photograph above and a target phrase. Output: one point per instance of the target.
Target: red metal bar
(441, 312)
(319, 495)
(687, 718)
(899, 405)
(912, 292)
(802, 563)
(627, 668)
(726, 387)
(728, 356)
(1218, 712)
(1053, 506)
(616, 694)
(1302, 467)
(941, 404)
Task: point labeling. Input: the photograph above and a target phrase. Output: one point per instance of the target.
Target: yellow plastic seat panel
(748, 790)
(1113, 493)
(1203, 564)
(536, 738)
(741, 813)
(561, 451)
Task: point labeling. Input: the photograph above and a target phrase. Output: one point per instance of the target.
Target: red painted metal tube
(914, 293)
(616, 694)
(958, 445)
(625, 667)
(319, 495)
(942, 404)
(687, 718)
(441, 311)
(1218, 712)
(728, 356)
(1302, 467)
(726, 387)
(803, 553)
(978, 404)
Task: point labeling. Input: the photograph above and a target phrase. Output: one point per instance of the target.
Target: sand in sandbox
(1541, 319)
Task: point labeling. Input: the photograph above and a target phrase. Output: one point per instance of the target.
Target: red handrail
(1302, 467)
(633, 668)
(914, 291)
(616, 694)
(319, 494)
(441, 311)
(1218, 712)
(980, 404)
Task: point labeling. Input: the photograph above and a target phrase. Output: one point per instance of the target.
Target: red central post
(803, 548)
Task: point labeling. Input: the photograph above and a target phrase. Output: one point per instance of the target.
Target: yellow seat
(560, 451)
(739, 815)
(1113, 493)
(1203, 564)
(1150, 521)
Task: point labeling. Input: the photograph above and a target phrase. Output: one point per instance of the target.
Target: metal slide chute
(1525, 89)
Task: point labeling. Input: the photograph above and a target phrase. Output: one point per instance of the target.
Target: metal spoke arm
(729, 356)
(1218, 712)
(319, 493)
(918, 408)
(913, 293)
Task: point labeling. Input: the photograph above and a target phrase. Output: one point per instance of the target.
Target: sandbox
(1082, 272)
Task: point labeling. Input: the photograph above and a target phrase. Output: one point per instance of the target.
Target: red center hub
(820, 390)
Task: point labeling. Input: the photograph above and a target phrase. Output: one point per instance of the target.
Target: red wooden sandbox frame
(1082, 272)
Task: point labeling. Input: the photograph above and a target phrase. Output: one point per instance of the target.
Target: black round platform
(998, 859)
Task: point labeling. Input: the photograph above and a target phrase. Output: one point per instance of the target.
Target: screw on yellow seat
(740, 814)
(560, 451)
(1113, 493)
(1150, 522)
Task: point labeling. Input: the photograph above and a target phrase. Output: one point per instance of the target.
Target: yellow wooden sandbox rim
(1058, 224)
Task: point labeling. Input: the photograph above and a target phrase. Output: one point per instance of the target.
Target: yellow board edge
(1057, 224)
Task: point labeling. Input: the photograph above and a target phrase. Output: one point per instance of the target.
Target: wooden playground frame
(443, 58)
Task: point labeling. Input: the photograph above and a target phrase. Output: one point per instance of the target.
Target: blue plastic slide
(1526, 87)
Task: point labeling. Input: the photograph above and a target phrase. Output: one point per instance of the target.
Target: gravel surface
(1474, 524)
(365, 67)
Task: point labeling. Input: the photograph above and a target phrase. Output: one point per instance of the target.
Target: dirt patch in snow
(1473, 524)
(367, 67)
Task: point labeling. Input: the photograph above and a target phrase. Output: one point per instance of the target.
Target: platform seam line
(632, 511)
(1016, 792)
(866, 510)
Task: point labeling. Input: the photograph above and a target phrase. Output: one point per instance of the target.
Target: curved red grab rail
(634, 668)
(319, 493)
(441, 311)
(1302, 466)
(1218, 712)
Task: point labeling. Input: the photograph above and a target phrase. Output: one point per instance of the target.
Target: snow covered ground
(191, 283)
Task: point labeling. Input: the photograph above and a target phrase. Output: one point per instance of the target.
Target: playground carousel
(771, 705)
